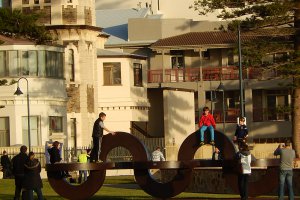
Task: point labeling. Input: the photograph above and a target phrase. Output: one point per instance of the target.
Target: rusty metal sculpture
(141, 165)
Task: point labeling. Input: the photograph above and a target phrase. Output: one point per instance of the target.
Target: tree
(278, 23)
(14, 23)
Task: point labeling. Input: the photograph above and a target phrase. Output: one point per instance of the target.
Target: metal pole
(224, 117)
(28, 112)
(242, 113)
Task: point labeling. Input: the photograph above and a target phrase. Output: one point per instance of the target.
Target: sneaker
(212, 143)
(99, 161)
(201, 143)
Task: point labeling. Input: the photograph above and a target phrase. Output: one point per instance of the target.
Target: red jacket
(207, 120)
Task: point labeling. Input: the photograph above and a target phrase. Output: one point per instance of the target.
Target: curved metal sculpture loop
(141, 165)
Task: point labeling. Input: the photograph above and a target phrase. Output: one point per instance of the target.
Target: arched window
(71, 66)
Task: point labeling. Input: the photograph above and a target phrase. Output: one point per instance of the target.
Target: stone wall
(73, 93)
(69, 15)
(211, 180)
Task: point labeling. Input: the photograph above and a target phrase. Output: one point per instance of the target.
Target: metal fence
(118, 154)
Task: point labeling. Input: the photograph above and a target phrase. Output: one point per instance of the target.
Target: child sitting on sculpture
(207, 121)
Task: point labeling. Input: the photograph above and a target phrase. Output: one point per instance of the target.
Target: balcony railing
(270, 114)
(259, 115)
(231, 115)
(208, 73)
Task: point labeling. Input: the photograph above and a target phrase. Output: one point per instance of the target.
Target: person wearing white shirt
(157, 155)
(244, 156)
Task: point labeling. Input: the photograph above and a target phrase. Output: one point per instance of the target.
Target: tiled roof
(12, 41)
(206, 38)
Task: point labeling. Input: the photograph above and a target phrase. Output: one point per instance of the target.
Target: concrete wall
(179, 118)
(80, 8)
(169, 8)
(47, 98)
(125, 102)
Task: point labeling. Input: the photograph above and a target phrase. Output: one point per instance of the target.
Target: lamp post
(221, 88)
(19, 92)
(242, 113)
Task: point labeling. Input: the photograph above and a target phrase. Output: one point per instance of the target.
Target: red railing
(208, 73)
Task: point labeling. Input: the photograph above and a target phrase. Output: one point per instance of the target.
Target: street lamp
(242, 112)
(19, 92)
(221, 88)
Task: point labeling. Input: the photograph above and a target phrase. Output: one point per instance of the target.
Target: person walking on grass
(287, 156)
(18, 163)
(32, 178)
(6, 165)
(244, 157)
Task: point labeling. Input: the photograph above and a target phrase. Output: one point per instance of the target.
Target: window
(73, 132)
(47, 1)
(138, 76)
(4, 132)
(54, 67)
(69, 1)
(278, 106)
(177, 59)
(112, 73)
(29, 63)
(25, 1)
(71, 66)
(55, 124)
(34, 131)
(205, 55)
(36, 1)
(2, 63)
(42, 63)
(13, 63)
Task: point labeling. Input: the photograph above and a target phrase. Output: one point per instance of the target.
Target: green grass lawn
(107, 191)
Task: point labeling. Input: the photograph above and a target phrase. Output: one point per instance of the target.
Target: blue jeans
(286, 176)
(211, 130)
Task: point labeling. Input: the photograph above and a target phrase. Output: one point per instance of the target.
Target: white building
(90, 80)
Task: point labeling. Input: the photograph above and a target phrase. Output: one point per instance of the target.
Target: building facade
(81, 79)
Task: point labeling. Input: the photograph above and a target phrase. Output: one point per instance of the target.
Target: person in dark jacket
(5, 163)
(32, 179)
(18, 163)
(97, 137)
(241, 132)
(54, 153)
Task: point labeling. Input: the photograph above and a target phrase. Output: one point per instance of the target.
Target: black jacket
(54, 155)
(97, 129)
(5, 162)
(32, 178)
(18, 164)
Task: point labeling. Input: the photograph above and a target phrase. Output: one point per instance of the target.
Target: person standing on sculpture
(244, 157)
(287, 156)
(18, 163)
(241, 132)
(97, 137)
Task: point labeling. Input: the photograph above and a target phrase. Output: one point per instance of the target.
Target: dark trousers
(96, 148)
(18, 186)
(28, 194)
(243, 180)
